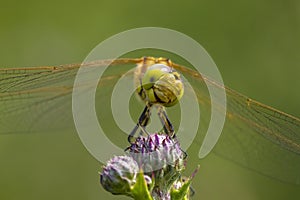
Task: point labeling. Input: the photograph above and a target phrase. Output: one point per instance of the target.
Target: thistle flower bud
(119, 175)
(160, 157)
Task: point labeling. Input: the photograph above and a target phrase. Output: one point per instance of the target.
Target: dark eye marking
(152, 79)
(176, 76)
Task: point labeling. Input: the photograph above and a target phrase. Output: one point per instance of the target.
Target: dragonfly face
(158, 83)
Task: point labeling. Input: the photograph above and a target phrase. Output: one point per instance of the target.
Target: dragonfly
(157, 83)
(255, 136)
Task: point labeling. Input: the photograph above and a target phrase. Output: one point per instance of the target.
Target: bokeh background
(255, 44)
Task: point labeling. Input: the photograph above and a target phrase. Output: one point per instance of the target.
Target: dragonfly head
(162, 85)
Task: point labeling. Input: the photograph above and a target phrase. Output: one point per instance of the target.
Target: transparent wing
(255, 136)
(38, 99)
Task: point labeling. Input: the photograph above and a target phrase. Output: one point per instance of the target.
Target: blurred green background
(255, 44)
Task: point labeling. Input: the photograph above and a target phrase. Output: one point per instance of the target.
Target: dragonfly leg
(168, 127)
(142, 122)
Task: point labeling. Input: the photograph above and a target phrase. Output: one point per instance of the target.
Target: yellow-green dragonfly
(256, 136)
(157, 83)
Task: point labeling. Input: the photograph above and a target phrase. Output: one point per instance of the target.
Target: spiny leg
(142, 122)
(168, 127)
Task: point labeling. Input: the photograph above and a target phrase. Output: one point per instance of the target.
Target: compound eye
(153, 74)
(160, 67)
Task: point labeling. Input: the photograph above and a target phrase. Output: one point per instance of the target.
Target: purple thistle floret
(156, 151)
